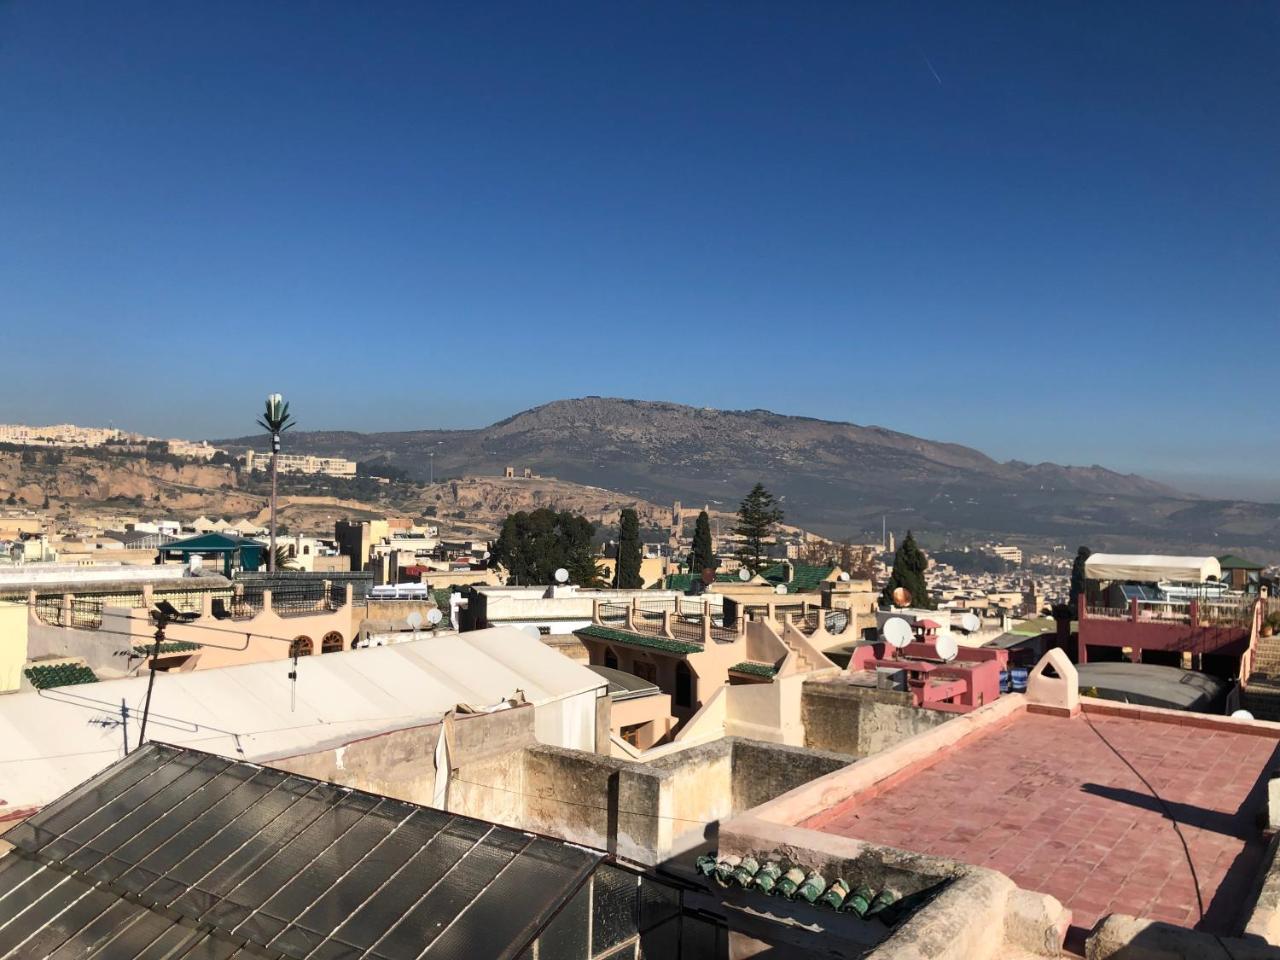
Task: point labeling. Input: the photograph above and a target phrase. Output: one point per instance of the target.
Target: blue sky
(1048, 230)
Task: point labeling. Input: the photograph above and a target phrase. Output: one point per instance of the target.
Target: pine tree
(758, 514)
(626, 575)
(702, 558)
(1077, 580)
(909, 563)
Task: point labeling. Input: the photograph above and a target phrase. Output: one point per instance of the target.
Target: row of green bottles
(767, 877)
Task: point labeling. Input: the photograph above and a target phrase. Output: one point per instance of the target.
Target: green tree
(909, 563)
(533, 545)
(703, 557)
(1077, 579)
(626, 575)
(758, 514)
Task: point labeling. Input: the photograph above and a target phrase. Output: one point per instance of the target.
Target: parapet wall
(861, 721)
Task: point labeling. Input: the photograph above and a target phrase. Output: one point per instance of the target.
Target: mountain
(834, 478)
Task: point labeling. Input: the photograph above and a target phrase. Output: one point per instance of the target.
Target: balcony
(1196, 627)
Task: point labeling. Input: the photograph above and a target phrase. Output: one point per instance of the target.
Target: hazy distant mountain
(837, 478)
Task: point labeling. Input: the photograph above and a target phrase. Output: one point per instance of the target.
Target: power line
(576, 803)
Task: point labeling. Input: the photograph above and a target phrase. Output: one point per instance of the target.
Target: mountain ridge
(836, 478)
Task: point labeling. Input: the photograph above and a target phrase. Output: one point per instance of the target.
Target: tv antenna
(947, 647)
(897, 632)
(562, 575)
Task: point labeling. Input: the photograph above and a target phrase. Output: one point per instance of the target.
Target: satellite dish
(414, 619)
(434, 616)
(1242, 715)
(897, 632)
(780, 589)
(562, 575)
(486, 555)
(947, 647)
(744, 574)
(901, 597)
(970, 623)
(845, 578)
(532, 631)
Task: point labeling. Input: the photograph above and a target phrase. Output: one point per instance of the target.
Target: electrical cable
(1168, 812)
(453, 778)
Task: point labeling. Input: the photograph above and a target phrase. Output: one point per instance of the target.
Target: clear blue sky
(1049, 230)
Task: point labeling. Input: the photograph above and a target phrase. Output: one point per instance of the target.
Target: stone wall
(763, 771)
(861, 721)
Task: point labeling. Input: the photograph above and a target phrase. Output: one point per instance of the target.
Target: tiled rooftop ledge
(1017, 790)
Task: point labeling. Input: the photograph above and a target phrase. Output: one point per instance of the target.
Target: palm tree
(275, 421)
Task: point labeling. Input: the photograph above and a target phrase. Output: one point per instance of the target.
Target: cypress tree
(909, 563)
(627, 573)
(758, 514)
(702, 557)
(1077, 580)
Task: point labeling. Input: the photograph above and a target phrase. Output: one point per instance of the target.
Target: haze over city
(1045, 231)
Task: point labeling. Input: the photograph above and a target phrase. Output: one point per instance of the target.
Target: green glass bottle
(745, 871)
(706, 865)
(767, 877)
(790, 882)
(883, 899)
(834, 897)
(812, 887)
(725, 868)
(860, 900)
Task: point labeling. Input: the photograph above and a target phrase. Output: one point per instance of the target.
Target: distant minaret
(884, 533)
(889, 545)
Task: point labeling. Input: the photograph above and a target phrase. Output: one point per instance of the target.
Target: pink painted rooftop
(1044, 800)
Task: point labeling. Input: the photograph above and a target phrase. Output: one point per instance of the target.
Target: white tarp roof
(52, 740)
(1151, 568)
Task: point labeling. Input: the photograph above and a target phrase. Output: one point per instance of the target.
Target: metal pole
(275, 463)
(124, 724)
(151, 681)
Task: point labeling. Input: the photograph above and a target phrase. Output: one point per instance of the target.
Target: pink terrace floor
(1046, 802)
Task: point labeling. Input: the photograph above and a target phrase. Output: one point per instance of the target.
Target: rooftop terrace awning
(1151, 568)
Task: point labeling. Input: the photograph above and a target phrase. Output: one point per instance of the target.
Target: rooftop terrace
(1065, 806)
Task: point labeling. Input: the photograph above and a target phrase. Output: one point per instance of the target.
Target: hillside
(76, 484)
(836, 478)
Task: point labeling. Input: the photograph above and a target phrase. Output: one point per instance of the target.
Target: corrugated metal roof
(55, 738)
(177, 853)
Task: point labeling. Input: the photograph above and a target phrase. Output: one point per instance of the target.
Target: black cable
(1168, 812)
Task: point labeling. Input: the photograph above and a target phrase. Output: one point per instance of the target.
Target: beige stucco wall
(13, 644)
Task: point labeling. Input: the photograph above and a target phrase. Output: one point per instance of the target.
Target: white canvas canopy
(1151, 568)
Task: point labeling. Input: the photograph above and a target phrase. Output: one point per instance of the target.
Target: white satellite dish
(744, 574)
(414, 619)
(532, 630)
(486, 555)
(562, 575)
(897, 632)
(434, 616)
(780, 589)
(970, 623)
(845, 578)
(947, 647)
(1241, 715)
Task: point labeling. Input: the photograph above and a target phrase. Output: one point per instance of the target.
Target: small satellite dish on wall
(947, 647)
(845, 578)
(562, 575)
(1241, 715)
(414, 619)
(434, 616)
(744, 574)
(970, 623)
(780, 589)
(897, 632)
(901, 597)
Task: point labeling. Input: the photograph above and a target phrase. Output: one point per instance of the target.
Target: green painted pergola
(236, 553)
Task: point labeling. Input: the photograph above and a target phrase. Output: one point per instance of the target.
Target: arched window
(610, 658)
(332, 642)
(684, 685)
(301, 647)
